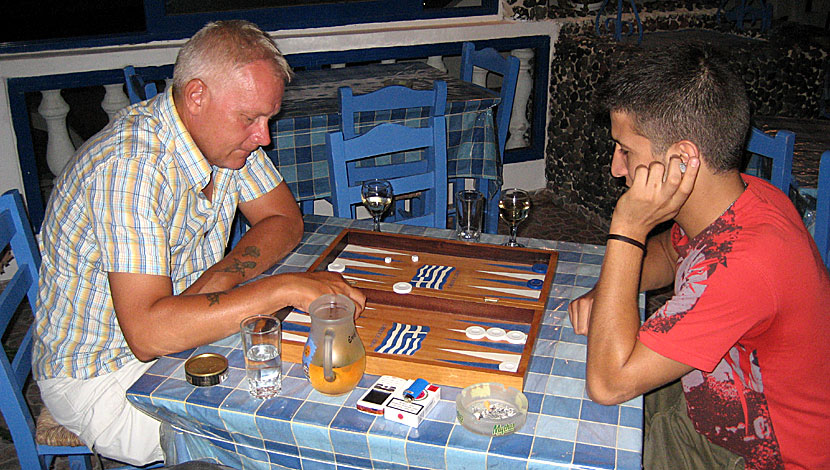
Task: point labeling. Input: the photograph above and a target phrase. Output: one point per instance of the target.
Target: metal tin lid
(206, 369)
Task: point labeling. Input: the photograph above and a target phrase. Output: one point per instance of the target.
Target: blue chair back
(427, 175)
(394, 99)
(137, 89)
(779, 149)
(16, 233)
(386, 99)
(822, 227)
(508, 67)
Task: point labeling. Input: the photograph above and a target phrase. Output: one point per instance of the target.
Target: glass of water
(261, 345)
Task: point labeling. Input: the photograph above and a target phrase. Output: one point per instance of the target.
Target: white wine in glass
(377, 197)
(514, 207)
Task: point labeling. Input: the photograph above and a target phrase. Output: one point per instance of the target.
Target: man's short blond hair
(222, 47)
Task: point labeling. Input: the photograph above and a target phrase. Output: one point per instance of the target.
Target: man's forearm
(658, 264)
(615, 320)
(262, 246)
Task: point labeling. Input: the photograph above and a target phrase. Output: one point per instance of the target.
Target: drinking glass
(261, 335)
(377, 197)
(514, 207)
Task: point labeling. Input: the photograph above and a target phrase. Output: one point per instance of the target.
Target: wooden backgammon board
(454, 286)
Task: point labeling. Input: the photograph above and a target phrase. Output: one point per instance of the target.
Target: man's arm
(276, 228)
(155, 322)
(619, 367)
(657, 272)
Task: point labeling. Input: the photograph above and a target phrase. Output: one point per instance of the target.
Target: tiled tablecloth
(301, 428)
(311, 109)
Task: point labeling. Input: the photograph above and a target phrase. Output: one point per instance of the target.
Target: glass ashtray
(491, 409)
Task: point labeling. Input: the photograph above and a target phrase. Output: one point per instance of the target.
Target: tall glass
(514, 207)
(377, 197)
(261, 335)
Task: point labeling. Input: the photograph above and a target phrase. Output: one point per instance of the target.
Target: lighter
(415, 390)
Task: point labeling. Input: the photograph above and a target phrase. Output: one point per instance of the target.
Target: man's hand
(580, 312)
(656, 195)
(310, 286)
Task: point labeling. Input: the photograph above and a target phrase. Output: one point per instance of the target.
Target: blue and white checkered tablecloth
(311, 109)
(303, 429)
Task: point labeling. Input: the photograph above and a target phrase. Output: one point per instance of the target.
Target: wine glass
(514, 207)
(377, 197)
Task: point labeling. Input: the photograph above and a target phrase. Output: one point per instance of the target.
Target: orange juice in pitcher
(333, 357)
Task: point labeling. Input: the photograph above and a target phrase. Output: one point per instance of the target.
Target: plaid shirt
(129, 201)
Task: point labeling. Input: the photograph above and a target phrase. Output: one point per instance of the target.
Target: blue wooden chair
(779, 149)
(16, 233)
(36, 443)
(746, 11)
(427, 175)
(508, 68)
(137, 88)
(821, 233)
(387, 99)
(360, 112)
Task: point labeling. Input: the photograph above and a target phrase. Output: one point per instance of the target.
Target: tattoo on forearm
(240, 266)
(213, 298)
(251, 251)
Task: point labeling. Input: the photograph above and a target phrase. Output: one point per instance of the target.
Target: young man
(748, 321)
(136, 228)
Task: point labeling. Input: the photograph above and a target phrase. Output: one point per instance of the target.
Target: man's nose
(261, 135)
(618, 168)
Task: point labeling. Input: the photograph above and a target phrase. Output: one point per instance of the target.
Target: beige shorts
(97, 411)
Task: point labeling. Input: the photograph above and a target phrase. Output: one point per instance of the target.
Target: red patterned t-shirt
(751, 312)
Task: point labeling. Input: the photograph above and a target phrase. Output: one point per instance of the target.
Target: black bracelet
(630, 241)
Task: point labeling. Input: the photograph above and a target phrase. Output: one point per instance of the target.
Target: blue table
(311, 109)
(301, 428)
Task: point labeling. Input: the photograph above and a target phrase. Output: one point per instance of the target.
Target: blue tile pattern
(301, 428)
(311, 109)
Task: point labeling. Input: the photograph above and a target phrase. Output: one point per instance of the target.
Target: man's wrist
(625, 239)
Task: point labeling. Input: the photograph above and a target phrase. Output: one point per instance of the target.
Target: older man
(136, 228)
(748, 318)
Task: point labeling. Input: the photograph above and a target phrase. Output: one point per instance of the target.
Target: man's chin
(237, 159)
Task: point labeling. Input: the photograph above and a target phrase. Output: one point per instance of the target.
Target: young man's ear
(684, 150)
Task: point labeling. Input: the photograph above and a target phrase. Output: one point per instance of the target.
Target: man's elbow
(605, 392)
(144, 350)
(143, 355)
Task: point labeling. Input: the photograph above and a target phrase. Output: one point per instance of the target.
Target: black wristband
(630, 241)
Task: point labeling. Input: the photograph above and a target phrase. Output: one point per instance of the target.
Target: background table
(311, 109)
(301, 428)
(812, 138)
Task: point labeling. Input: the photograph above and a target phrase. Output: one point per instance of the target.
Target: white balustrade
(480, 76)
(436, 61)
(59, 148)
(114, 99)
(518, 117)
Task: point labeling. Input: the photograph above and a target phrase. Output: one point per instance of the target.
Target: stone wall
(782, 70)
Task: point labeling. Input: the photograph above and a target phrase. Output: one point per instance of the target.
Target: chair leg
(492, 219)
(307, 207)
(80, 462)
(491, 212)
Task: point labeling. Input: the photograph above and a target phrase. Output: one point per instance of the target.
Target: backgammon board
(471, 315)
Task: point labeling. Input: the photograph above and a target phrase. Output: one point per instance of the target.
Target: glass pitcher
(333, 357)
